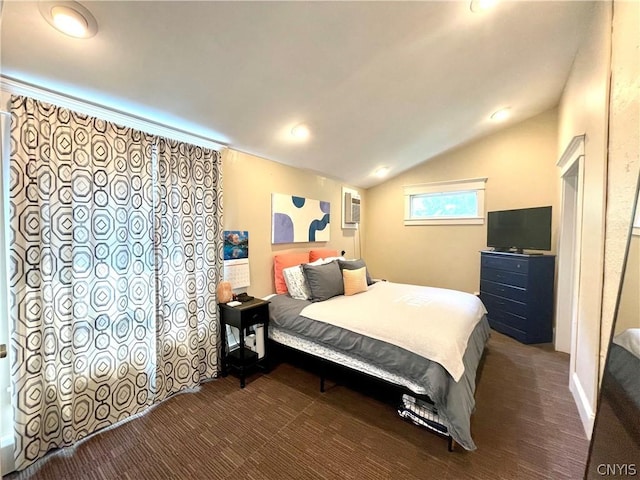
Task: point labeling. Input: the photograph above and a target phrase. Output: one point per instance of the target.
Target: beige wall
(584, 110)
(629, 309)
(624, 154)
(249, 182)
(519, 162)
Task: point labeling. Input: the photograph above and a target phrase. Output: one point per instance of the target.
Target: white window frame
(472, 184)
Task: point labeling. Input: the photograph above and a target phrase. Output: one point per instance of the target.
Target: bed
(429, 341)
(621, 383)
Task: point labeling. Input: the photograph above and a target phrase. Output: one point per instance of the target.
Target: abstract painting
(298, 219)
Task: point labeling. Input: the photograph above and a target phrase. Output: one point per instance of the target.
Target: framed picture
(298, 219)
(236, 244)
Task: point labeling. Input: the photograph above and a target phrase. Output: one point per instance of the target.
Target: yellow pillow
(355, 281)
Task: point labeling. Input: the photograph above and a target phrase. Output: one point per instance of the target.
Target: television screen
(525, 228)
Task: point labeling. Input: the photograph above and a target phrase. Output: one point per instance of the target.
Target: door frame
(568, 324)
(571, 165)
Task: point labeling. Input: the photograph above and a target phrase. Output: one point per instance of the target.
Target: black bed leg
(450, 444)
(322, 372)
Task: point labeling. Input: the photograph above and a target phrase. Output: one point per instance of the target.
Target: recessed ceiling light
(70, 18)
(300, 131)
(382, 172)
(477, 6)
(502, 114)
(69, 21)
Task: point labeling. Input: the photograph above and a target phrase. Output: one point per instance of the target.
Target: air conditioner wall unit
(351, 208)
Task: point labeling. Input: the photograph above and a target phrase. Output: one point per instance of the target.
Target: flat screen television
(517, 230)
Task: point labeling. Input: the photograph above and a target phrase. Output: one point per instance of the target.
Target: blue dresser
(517, 290)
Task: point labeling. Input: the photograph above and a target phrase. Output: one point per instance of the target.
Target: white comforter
(432, 322)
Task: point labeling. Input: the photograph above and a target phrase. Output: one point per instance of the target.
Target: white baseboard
(6, 454)
(587, 414)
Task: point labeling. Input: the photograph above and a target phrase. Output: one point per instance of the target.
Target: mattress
(431, 322)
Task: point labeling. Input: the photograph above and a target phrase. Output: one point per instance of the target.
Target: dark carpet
(280, 426)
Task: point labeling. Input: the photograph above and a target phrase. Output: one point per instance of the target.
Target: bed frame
(324, 363)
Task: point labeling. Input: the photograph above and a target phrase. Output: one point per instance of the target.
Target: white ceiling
(378, 83)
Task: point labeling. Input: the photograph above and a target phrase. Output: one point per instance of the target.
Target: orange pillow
(283, 261)
(321, 253)
(355, 281)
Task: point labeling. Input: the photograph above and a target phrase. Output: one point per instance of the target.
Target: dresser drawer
(496, 304)
(246, 315)
(511, 264)
(503, 276)
(518, 334)
(507, 291)
(505, 318)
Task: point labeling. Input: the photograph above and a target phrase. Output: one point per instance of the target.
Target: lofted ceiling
(378, 83)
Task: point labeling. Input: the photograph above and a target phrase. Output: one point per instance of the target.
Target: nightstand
(248, 314)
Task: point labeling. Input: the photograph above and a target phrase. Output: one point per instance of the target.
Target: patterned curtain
(188, 250)
(115, 255)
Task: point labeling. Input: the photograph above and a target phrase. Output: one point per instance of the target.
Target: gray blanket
(454, 400)
(624, 367)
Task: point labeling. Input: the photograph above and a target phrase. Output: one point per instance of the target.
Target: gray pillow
(325, 281)
(354, 265)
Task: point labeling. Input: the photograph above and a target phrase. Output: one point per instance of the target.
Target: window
(456, 202)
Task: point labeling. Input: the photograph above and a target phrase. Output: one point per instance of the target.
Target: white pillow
(322, 261)
(296, 283)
